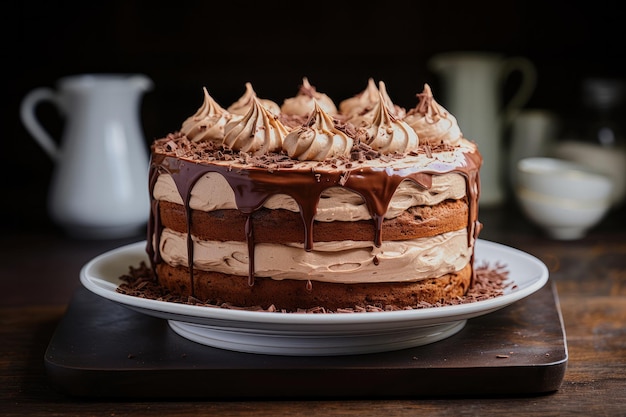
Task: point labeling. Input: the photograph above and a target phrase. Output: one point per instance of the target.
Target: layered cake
(315, 204)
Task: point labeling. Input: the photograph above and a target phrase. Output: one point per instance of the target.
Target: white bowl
(561, 218)
(610, 161)
(563, 179)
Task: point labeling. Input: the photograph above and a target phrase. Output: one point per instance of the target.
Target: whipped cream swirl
(395, 110)
(304, 102)
(388, 134)
(259, 132)
(432, 122)
(365, 115)
(318, 139)
(363, 101)
(207, 124)
(241, 106)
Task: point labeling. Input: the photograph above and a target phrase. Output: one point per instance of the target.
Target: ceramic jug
(99, 186)
(472, 91)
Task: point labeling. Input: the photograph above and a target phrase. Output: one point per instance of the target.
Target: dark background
(183, 46)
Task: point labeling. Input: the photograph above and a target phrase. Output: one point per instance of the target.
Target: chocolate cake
(309, 204)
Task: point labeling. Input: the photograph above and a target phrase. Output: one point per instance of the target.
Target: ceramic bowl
(610, 161)
(560, 178)
(562, 218)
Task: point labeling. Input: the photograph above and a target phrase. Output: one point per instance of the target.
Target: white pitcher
(472, 92)
(99, 187)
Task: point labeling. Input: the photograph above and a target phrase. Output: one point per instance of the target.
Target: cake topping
(388, 134)
(207, 124)
(259, 131)
(240, 107)
(363, 101)
(397, 111)
(363, 116)
(318, 139)
(304, 102)
(432, 122)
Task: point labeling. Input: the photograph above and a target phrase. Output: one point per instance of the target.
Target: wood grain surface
(589, 274)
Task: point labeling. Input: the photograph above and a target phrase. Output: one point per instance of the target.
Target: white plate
(315, 334)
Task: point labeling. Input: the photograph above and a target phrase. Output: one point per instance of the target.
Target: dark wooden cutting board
(103, 349)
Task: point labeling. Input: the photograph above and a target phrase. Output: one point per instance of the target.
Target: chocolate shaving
(178, 144)
(491, 281)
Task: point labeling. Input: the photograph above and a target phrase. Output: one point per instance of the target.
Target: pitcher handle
(526, 88)
(29, 119)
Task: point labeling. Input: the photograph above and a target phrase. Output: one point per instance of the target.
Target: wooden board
(102, 349)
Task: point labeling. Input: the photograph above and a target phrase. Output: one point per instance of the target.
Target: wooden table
(39, 274)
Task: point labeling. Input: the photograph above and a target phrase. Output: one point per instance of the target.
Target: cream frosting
(240, 107)
(304, 102)
(364, 111)
(318, 139)
(363, 101)
(432, 122)
(397, 111)
(212, 192)
(207, 124)
(388, 134)
(338, 262)
(258, 132)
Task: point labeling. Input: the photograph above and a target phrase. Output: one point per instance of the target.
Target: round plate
(315, 334)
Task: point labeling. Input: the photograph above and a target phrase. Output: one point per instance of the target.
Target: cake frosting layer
(212, 192)
(338, 262)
